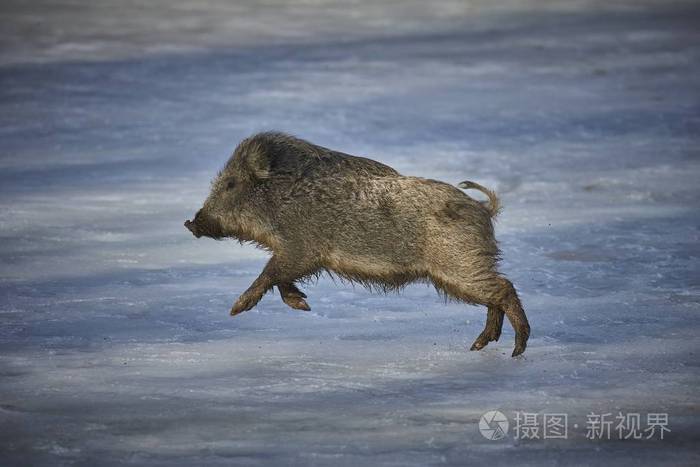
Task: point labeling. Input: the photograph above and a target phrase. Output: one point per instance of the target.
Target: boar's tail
(494, 206)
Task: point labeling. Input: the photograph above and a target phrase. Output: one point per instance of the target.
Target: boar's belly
(373, 268)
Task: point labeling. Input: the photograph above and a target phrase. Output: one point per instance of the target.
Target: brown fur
(320, 210)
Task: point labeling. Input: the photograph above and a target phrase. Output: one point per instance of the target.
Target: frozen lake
(115, 342)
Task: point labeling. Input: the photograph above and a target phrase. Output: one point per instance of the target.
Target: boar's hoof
(518, 350)
(244, 303)
(485, 337)
(480, 342)
(296, 302)
(521, 336)
(293, 297)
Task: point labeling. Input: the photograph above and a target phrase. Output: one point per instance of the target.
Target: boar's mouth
(203, 226)
(192, 227)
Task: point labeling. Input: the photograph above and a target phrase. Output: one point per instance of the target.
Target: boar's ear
(258, 164)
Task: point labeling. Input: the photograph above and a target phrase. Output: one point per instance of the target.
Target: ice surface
(115, 340)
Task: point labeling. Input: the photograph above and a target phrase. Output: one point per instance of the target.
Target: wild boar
(319, 210)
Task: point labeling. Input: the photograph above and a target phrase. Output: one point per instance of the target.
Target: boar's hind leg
(293, 297)
(500, 296)
(507, 299)
(492, 331)
(277, 271)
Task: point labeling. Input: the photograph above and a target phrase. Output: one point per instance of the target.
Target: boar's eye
(230, 184)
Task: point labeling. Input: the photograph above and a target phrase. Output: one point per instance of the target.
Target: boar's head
(236, 204)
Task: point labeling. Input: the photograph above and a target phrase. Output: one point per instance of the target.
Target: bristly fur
(361, 221)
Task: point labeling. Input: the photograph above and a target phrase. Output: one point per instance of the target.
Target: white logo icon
(493, 425)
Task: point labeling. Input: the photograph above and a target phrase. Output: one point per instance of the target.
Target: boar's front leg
(277, 271)
(293, 297)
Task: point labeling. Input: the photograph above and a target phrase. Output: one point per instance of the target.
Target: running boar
(320, 210)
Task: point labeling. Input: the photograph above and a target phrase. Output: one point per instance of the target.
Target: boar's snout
(192, 227)
(205, 225)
